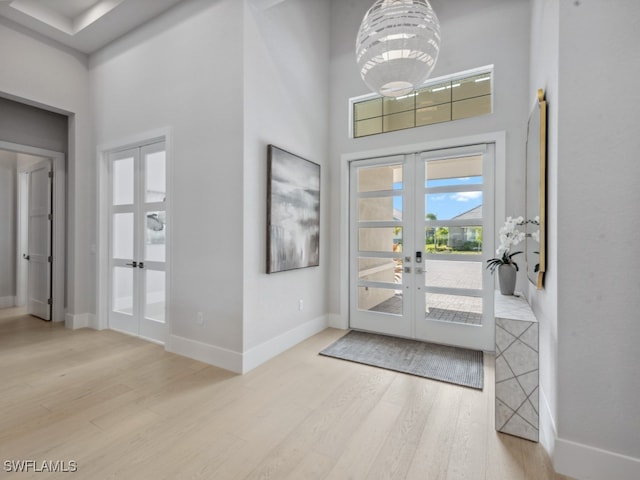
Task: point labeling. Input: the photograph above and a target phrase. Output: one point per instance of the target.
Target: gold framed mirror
(536, 193)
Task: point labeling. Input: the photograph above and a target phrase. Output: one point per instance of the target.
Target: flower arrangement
(510, 236)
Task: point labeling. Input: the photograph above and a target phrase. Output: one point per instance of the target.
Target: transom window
(455, 97)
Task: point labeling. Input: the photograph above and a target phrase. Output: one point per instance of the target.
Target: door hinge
(50, 259)
(50, 216)
(50, 174)
(48, 301)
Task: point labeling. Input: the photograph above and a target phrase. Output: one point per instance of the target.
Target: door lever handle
(134, 264)
(26, 257)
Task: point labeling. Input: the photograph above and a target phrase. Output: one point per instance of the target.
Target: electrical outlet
(300, 305)
(199, 319)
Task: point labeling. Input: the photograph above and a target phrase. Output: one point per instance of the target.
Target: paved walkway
(448, 308)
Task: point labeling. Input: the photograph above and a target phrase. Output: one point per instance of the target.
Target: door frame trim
(498, 138)
(58, 234)
(102, 154)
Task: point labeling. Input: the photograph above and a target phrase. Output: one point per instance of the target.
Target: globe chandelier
(397, 46)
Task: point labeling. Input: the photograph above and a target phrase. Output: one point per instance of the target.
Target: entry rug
(438, 362)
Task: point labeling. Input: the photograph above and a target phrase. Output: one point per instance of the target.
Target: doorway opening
(32, 263)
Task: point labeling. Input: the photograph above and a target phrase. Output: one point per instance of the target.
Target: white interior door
(38, 255)
(138, 241)
(421, 229)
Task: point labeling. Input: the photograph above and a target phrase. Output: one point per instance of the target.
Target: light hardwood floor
(124, 408)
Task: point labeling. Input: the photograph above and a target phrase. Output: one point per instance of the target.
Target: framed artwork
(293, 211)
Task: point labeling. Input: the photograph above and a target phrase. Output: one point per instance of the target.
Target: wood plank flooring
(124, 408)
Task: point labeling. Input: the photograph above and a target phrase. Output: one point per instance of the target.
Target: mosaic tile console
(516, 367)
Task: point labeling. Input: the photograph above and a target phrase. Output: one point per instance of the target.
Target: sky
(447, 205)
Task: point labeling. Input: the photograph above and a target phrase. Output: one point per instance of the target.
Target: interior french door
(421, 230)
(38, 255)
(138, 241)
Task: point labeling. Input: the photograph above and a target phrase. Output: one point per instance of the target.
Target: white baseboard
(210, 354)
(269, 349)
(244, 362)
(338, 321)
(80, 320)
(548, 432)
(582, 461)
(590, 463)
(7, 302)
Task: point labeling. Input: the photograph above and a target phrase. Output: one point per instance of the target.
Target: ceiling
(84, 25)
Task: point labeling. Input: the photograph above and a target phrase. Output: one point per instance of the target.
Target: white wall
(286, 97)
(45, 74)
(474, 34)
(544, 74)
(183, 72)
(7, 228)
(597, 230)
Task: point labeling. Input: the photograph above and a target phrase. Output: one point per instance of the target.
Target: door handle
(134, 264)
(26, 257)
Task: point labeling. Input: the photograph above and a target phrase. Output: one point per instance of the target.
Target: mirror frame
(537, 151)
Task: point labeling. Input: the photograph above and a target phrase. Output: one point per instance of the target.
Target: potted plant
(507, 268)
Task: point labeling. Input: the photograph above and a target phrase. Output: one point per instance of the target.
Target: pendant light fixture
(397, 45)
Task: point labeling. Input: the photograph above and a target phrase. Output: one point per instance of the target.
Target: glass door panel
(380, 239)
(155, 237)
(122, 236)
(155, 176)
(122, 291)
(123, 180)
(155, 296)
(378, 232)
(453, 308)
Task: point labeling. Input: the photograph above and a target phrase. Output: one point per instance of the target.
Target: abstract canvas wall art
(293, 211)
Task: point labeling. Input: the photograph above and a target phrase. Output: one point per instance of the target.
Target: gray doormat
(438, 362)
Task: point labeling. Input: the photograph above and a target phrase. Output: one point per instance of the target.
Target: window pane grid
(443, 102)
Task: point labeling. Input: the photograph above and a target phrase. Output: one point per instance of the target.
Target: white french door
(138, 241)
(421, 229)
(38, 255)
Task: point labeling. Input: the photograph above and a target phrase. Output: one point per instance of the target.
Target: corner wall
(598, 275)
(182, 73)
(544, 74)
(286, 98)
(47, 75)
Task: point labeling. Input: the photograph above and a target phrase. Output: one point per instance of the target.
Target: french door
(421, 229)
(138, 241)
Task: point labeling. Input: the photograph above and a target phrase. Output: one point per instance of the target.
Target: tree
(430, 231)
(442, 236)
